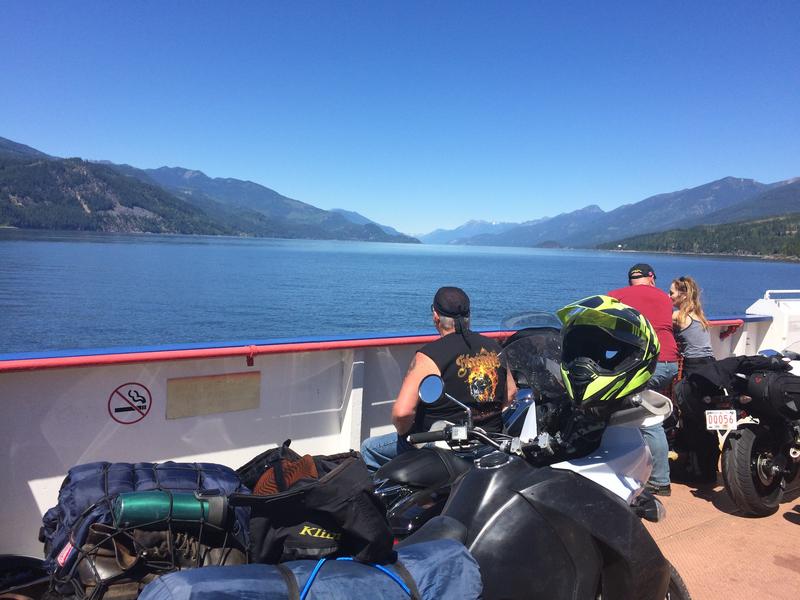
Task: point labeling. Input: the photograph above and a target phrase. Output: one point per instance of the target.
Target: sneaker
(658, 490)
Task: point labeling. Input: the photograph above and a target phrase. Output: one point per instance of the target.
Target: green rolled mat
(138, 509)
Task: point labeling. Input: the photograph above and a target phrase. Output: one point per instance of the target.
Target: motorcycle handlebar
(428, 436)
(446, 434)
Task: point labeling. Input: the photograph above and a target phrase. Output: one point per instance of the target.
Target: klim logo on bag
(319, 532)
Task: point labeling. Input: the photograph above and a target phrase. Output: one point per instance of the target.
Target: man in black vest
(473, 372)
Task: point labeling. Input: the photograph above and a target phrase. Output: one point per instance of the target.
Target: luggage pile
(312, 524)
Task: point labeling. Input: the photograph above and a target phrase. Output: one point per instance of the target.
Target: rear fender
(722, 436)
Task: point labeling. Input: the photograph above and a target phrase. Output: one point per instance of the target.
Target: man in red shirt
(643, 295)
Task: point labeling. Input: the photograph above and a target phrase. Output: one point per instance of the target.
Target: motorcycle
(559, 516)
(415, 485)
(751, 407)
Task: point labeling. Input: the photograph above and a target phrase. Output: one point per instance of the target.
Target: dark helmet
(609, 350)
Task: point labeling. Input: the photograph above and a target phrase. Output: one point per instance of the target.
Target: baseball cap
(451, 302)
(640, 270)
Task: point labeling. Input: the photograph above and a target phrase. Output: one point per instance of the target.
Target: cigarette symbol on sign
(129, 403)
(139, 403)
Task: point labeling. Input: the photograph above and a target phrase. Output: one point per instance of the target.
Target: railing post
(353, 419)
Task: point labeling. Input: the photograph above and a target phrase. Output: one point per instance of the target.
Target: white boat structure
(226, 403)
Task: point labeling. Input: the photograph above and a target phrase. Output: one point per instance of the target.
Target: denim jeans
(654, 436)
(380, 449)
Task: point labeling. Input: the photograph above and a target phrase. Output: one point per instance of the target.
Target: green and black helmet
(609, 350)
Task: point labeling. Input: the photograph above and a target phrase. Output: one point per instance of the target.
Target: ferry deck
(723, 555)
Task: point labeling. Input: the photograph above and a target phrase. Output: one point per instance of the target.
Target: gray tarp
(441, 569)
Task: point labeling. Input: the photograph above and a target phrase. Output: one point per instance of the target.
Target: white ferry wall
(51, 419)
(783, 330)
(325, 396)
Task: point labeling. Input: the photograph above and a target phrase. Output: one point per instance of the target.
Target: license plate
(720, 420)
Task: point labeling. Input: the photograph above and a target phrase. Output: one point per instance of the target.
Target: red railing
(250, 351)
(247, 351)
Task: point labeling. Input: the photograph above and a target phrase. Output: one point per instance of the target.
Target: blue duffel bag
(85, 500)
(434, 570)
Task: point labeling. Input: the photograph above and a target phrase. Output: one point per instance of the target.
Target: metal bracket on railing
(728, 331)
(251, 352)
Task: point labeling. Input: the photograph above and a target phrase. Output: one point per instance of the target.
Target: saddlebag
(306, 507)
(777, 392)
(435, 570)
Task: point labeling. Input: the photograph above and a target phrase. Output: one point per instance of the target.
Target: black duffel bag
(314, 507)
(778, 393)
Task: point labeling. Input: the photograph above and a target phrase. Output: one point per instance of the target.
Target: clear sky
(416, 114)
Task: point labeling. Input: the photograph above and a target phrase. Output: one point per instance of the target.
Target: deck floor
(723, 555)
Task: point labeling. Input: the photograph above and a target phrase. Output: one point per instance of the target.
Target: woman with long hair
(690, 327)
(690, 324)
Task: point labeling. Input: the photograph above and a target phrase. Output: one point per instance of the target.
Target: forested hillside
(75, 194)
(776, 237)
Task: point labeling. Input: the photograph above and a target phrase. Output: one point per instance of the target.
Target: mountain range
(46, 192)
(42, 191)
(469, 229)
(726, 200)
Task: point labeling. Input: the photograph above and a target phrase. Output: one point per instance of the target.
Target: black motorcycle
(541, 526)
(749, 406)
(415, 485)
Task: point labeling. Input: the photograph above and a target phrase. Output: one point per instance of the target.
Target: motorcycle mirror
(431, 388)
(523, 394)
(656, 403)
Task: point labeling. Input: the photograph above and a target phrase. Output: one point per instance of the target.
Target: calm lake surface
(93, 290)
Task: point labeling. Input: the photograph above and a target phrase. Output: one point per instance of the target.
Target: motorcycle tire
(753, 491)
(677, 589)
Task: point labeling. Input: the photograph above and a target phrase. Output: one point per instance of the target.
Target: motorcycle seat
(426, 468)
(438, 528)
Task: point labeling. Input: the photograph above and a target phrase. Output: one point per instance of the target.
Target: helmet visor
(607, 350)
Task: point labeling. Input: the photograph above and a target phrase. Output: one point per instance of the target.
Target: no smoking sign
(129, 403)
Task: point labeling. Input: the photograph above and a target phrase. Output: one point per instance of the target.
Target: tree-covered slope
(772, 237)
(265, 211)
(37, 193)
(781, 198)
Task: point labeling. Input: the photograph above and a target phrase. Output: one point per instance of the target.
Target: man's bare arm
(405, 407)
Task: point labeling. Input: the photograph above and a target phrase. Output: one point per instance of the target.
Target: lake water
(93, 290)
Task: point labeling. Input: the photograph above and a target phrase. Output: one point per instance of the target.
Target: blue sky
(416, 114)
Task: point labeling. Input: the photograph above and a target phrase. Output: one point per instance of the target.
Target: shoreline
(753, 257)
(770, 258)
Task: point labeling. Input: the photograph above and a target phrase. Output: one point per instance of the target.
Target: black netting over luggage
(118, 526)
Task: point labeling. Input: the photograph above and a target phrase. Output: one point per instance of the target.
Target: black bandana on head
(453, 302)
